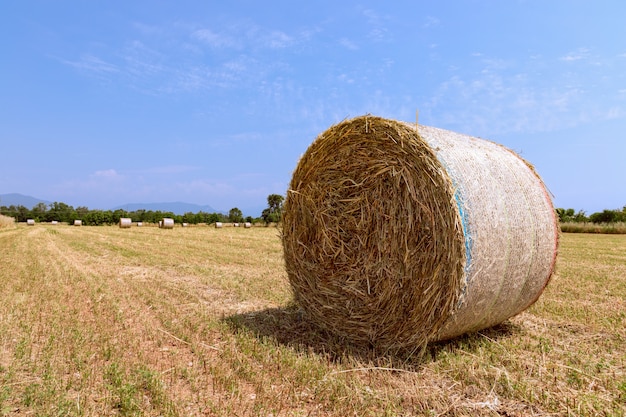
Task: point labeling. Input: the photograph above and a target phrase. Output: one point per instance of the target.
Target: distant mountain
(177, 207)
(174, 207)
(15, 199)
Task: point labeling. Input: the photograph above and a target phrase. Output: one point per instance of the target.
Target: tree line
(605, 216)
(65, 213)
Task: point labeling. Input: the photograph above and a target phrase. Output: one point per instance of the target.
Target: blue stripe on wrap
(467, 236)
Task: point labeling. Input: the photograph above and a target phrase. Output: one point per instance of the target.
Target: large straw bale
(78, 222)
(395, 234)
(167, 223)
(30, 222)
(125, 222)
(6, 221)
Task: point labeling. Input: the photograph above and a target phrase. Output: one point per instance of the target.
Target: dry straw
(395, 235)
(167, 223)
(125, 223)
(6, 221)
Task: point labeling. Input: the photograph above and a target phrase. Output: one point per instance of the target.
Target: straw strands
(395, 235)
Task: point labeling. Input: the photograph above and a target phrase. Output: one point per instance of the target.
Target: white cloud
(92, 63)
(277, 40)
(348, 44)
(430, 22)
(577, 55)
(215, 40)
(107, 173)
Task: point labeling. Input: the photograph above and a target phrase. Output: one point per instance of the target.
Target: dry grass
(98, 321)
(606, 228)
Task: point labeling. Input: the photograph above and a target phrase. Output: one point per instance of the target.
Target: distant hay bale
(78, 222)
(167, 223)
(247, 225)
(30, 222)
(54, 222)
(125, 223)
(160, 224)
(396, 235)
(235, 224)
(6, 221)
(218, 225)
(139, 224)
(185, 224)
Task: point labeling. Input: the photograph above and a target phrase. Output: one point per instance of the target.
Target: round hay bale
(139, 224)
(30, 222)
(125, 223)
(185, 224)
(247, 225)
(54, 222)
(218, 225)
(396, 235)
(235, 224)
(167, 223)
(78, 222)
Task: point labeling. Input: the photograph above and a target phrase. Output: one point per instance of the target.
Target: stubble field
(103, 321)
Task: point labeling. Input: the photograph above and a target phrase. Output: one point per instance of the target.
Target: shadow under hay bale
(288, 326)
(396, 235)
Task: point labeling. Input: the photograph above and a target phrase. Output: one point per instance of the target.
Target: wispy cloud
(378, 30)
(577, 55)
(276, 39)
(106, 174)
(430, 22)
(348, 44)
(92, 63)
(498, 100)
(216, 40)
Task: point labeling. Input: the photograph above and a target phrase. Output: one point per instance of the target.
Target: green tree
(273, 212)
(213, 218)
(606, 216)
(39, 212)
(235, 215)
(23, 213)
(60, 212)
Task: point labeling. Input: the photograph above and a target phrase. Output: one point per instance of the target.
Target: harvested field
(100, 321)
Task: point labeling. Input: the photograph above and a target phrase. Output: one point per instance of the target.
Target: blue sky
(104, 103)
